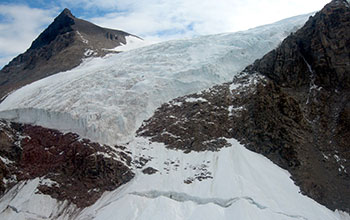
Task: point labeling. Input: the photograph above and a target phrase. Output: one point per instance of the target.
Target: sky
(21, 21)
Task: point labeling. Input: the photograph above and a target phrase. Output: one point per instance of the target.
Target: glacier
(106, 99)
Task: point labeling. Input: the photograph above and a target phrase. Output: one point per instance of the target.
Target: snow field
(245, 185)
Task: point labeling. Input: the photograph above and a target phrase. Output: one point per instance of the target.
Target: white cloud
(20, 26)
(5, 59)
(183, 18)
(101, 4)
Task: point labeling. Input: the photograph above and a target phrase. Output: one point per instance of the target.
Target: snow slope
(106, 99)
(240, 184)
(23, 203)
(243, 185)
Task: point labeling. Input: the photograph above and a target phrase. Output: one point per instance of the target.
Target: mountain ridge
(60, 47)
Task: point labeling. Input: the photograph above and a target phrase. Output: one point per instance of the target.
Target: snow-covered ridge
(132, 43)
(106, 99)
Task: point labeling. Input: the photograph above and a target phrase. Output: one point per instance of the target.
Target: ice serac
(291, 106)
(106, 99)
(62, 46)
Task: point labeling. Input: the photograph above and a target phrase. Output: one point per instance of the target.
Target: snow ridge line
(183, 197)
(18, 188)
(224, 203)
(292, 216)
(32, 215)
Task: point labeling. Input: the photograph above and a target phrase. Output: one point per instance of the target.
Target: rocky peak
(60, 47)
(66, 12)
(62, 24)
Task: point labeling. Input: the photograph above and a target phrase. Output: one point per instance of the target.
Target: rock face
(77, 170)
(317, 54)
(312, 68)
(291, 106)
(61, 47)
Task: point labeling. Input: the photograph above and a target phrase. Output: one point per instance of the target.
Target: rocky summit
(291, 106)
(62, 46)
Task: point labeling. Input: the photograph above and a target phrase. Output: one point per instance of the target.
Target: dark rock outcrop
(149, 170)
(317, 54)
(291, 106)
(61, 47)
(80, 170)
(179, 124)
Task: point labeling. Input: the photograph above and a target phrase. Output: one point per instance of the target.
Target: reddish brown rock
(79, 167)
